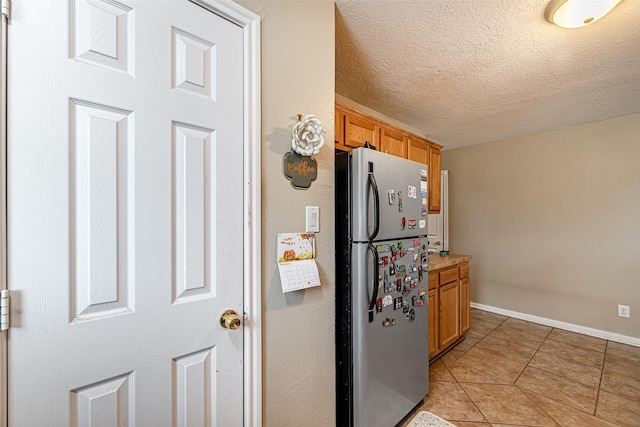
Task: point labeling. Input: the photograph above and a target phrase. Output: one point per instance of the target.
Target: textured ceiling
(472, 71)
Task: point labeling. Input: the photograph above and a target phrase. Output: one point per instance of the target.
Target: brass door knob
(230, 320)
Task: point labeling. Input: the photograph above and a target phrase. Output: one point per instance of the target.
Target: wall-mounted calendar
(296, 261)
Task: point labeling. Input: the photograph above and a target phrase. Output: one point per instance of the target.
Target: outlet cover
(624, 311)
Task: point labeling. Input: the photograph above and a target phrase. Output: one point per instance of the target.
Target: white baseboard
(560, 325)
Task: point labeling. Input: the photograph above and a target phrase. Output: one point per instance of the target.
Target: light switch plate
(313, 219)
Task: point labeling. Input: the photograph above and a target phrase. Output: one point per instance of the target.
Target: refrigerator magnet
(403, 222)
(379, 305)
(405, 306)
(405, 290)
(422, 291)
(424, 201)
(397, 303)
(399, 201)
(423, 223)
(423, 211)
(401, 271)
(390, 287)
(423, 185)
(411, 192)
(423, 173)
(411, 314)
(412, 224)
(387, 301)
(392, 197)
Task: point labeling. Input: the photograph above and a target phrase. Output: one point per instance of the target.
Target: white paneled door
(125, 214)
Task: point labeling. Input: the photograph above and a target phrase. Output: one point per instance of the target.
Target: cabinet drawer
(449, 275)
(433, 280)
(464, 270)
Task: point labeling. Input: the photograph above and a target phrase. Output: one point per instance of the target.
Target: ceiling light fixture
(577, 13)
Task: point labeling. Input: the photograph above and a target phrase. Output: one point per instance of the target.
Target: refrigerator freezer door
(391, 373)
(401, 193)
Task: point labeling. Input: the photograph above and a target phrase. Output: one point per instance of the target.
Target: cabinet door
(357, 131)
(339, 127)
(393, 143)
(434, 180)
(465, 305)
(433, 322)
(418, 151)
(449, 322)
(433, 280)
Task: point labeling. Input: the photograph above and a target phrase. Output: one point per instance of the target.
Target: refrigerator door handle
(373, 185)
(376, 273)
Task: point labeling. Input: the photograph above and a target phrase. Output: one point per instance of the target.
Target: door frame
(252, 291)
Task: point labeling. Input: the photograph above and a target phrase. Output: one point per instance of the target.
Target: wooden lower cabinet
(433, 322)
(449, 307)
(449, 322)
(465, 302)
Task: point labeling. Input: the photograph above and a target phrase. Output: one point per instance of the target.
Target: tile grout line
(534, 355)
(604, 358)
(458, 382)
(526, 366)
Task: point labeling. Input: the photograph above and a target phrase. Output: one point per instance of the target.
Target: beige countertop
(437, 262)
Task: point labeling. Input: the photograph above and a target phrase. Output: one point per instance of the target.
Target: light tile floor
(508, 372)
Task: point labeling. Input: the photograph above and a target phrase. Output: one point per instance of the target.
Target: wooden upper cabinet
(434, 180)
(354, 129)
(393, 143)
(357, 131)
(418, 151)
(339, 127)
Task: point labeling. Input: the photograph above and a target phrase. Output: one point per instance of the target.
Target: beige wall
(298, 336)
(553, 222)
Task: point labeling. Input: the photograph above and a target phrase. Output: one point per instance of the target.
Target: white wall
(553, 222)
(298, 338)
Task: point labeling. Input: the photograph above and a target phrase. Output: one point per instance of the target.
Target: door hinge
(6, 8)
(4, 310)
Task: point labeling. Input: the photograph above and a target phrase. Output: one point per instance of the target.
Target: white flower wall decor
(308, 135)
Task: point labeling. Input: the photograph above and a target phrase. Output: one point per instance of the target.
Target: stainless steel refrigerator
(382, 359)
